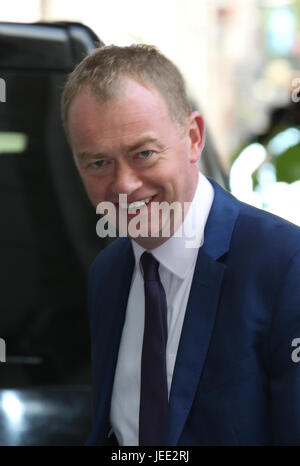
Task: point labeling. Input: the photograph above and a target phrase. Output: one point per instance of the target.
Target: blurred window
(43, 317)
(266, 172)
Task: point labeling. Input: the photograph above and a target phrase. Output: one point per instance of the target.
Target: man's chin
(147, 232)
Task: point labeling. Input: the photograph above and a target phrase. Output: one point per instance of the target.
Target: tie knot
(150, 267)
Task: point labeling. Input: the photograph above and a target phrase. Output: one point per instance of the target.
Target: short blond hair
(104, 69)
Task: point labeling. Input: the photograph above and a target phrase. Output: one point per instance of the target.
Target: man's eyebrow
(89, 155)
(143, 142)
(130, 148)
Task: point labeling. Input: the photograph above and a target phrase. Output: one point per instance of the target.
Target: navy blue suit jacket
(234, 381)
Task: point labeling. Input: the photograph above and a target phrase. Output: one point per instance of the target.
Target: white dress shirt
(177, 258)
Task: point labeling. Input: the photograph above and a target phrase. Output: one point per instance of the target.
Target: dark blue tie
(154, 388)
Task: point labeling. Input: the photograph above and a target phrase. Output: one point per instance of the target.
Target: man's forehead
(128, 92)
(138, 112)
(134, 111)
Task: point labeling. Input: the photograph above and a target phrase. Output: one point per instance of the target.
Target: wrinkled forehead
(124, 87)
(115, 88)
(137, 112)
(133, 100)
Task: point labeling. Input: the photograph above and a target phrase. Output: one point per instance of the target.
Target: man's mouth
(131, 207)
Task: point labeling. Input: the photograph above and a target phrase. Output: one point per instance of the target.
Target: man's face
(130, 145)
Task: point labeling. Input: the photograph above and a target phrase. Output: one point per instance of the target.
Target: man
(190, 345)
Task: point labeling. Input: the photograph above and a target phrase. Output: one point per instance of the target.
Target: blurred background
(241, 61)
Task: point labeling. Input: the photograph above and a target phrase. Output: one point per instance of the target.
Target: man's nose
(126, 180)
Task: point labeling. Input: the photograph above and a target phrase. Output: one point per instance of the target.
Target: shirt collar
(179, 253)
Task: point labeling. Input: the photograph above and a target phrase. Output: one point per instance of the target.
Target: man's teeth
(136, 204)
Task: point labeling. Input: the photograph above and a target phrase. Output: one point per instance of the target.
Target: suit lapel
(201, 310)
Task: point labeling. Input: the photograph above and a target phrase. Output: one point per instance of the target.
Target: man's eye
(145, 154)
(98, 164)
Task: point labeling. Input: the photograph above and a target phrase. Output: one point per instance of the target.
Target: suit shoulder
(248, 231)
(267, 229)
(112, 254)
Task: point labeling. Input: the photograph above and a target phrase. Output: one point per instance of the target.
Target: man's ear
(196, 136)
